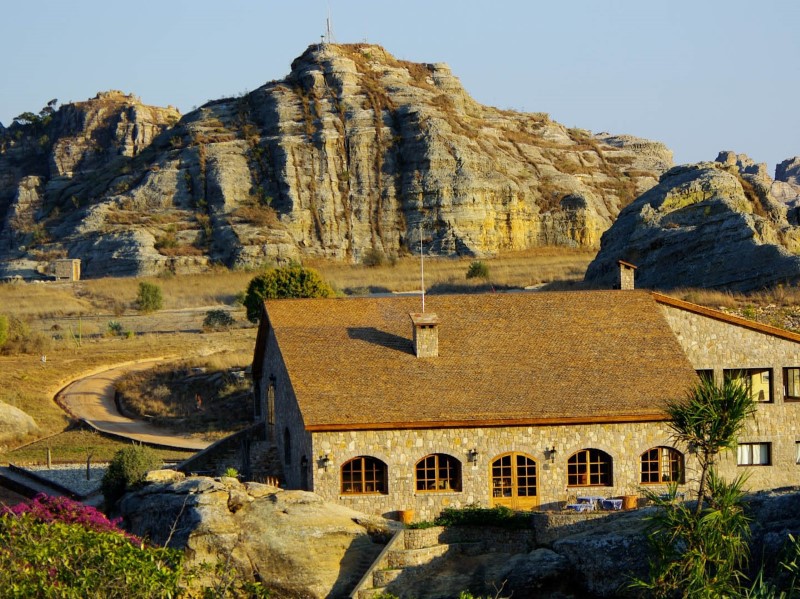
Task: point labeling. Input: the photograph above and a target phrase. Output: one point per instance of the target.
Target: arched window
(287, 446)
(364, 475)
(438, 472)
(662, 465)
(589, 468)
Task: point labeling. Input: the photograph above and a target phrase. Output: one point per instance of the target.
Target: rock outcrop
(293, 541)
(711, 224)
(300, 546)
(353, 152)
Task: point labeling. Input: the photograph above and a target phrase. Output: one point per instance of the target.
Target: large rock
(349, 154)
(711, 224)
(293, 541)
(15, 424)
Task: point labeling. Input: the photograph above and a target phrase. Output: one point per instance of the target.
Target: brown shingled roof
(519, 358)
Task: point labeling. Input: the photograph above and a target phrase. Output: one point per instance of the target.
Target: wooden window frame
(438, 473)
(749, 372)
(786, 395)
(752, 445)
(364, 475)
(598, 468)
(667, 460)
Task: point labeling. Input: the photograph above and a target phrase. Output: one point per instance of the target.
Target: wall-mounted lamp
(325, 460)
(472, 456)
(550, 454)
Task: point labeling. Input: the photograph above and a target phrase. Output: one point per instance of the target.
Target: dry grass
(31, 386)
(512, 269)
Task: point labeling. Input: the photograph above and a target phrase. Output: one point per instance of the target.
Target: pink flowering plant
(56, 547)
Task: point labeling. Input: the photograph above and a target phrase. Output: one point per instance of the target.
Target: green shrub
(473, 515)
(231, 472)
(149, 298)
(127, 469)
(284, 282)
(375, 257)
(67, 560)
(218, 320)
(114, 328)
(3, 329)
(478, 270)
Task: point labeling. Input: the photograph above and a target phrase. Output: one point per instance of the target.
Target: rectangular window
(753, 454)
(757, 380)
(791, 383)
(797, 452)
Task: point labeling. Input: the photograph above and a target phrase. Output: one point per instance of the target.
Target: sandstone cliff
(719, 224)
(352, 152)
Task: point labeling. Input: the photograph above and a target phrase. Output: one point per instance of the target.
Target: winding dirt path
(91, 399)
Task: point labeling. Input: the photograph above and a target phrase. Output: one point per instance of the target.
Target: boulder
(711, 224)
(15, 424)
(293, 541)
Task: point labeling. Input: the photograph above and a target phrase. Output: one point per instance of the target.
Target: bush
(127, 469)
(149, 298)
(62, 559)
(218, 320)
(472, 515)
(114, 328)
(284, 282)
(3, 329)
(478, 270)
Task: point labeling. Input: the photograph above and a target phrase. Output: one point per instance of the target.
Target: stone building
(523, 399)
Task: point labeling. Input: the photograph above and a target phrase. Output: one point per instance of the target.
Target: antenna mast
(328, 27)
(422, 266)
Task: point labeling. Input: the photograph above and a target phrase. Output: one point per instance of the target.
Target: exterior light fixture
(325, 460)
(550, 454)
(472, 455)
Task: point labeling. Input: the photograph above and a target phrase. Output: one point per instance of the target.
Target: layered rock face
(353, 152)
(722, 224)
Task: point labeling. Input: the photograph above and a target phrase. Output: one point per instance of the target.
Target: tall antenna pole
(422, 266)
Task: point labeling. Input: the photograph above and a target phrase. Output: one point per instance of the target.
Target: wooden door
(512, 479)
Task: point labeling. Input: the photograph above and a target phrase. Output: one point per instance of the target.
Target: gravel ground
(73, 476)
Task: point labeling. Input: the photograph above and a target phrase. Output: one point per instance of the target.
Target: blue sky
(701, 76)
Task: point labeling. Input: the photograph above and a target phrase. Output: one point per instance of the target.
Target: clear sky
(701, 75)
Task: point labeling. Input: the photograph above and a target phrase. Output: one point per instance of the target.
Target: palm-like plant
(709, 421)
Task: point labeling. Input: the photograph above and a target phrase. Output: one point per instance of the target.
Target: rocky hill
(723, 224)
(352, 154)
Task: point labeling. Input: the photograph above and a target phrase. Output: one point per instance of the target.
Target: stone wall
(712, 344)
(287, 432)
(402, 449)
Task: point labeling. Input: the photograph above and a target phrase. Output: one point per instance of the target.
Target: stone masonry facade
(313, 460)
(712, 344)
(400, 450)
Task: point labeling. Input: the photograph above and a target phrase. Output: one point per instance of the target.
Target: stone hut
(67, 269)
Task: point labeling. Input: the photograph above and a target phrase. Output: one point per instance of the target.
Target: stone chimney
(426, 334)
(626, 274)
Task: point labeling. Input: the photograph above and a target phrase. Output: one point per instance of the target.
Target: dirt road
(91, 399)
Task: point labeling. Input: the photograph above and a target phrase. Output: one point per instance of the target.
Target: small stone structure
(67, 269)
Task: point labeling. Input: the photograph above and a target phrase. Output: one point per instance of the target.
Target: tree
(149, 297)
(709, 421)
(284, 282)
(699, 552)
